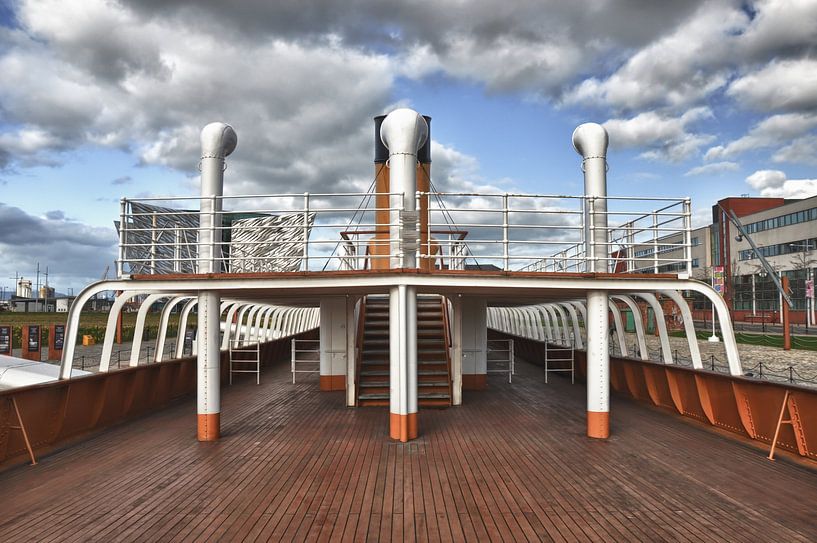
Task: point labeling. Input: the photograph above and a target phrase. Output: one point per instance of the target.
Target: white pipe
(590, 140)
(403, 132)
(218, 140)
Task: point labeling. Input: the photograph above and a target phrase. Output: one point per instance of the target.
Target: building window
(783, 220)
(695, 263)
(695, 241)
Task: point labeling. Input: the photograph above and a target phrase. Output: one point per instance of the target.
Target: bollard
(791, 374)
(712, 361)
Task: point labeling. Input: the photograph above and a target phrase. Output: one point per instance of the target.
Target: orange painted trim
(332, 382)
(478, 381)
(403, 427)
(598, 424)
(209, 426)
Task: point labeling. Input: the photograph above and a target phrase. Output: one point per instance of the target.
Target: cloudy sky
(102, 99)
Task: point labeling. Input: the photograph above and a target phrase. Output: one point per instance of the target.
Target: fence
(303, 356)
(503, 359)
(345, 231)
(562, 356)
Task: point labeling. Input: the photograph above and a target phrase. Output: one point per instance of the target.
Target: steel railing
(500, 357)
(302, 355)
(447, 231)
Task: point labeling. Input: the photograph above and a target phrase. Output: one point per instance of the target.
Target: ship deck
(512, 463)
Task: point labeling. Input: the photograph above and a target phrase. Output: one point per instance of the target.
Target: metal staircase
(433, 363)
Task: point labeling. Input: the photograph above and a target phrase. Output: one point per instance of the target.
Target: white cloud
(770, 132)
(302, 111)
(775, 184)
(676, 70)
(664, 137)
(713, 168)
(82, 251)
(786, 85)
(800, 151)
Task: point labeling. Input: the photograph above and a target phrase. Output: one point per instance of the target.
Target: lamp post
(807, 246)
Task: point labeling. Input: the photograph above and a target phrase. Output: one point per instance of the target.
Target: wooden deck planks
(511, 464)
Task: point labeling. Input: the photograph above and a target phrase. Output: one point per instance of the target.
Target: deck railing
(460, 231)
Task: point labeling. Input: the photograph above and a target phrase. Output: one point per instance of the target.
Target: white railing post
(120, 263)
(511, 370)
(505, 252)
(293, 361)
(688, 235)
(590, 257)
(655, 241)
(153, 240)
(306, 231)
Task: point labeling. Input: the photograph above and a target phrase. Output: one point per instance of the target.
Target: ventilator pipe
(218, 140)
(403, 132)
(590, 140)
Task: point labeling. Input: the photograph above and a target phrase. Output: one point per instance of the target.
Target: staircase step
(374, 396)
(432, 396)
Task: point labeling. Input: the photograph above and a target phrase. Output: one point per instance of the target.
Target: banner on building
(810, 288)
(717, 279)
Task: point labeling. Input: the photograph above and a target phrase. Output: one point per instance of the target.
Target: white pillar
(218, 140)
(590, 141)
(456, 358)
(333, 333)
(351, 337)
(598, 365)
(403, 363)
(403, 132)
(474, 343)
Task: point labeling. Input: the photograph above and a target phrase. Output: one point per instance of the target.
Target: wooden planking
(511, 464)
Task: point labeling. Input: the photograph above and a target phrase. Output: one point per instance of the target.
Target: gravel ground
(775, 361)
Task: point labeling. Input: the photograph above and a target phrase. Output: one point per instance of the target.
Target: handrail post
(306, 231)
(505, 252)
(590, 258)
(293, 361)
(655, 241)
(688, 235)
(120, 262)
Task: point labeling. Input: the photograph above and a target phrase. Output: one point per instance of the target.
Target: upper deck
(511, 463)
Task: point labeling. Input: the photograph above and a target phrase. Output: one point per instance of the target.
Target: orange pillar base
(332, 382)
(209, 426)
(598, 424)
(403, 427)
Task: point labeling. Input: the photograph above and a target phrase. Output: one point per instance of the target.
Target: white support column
(218, 140)
(333, 333)
(475, 341)
(403, 363)
(351, 336)
(403, 132)
(456, 350)
(590, 141)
